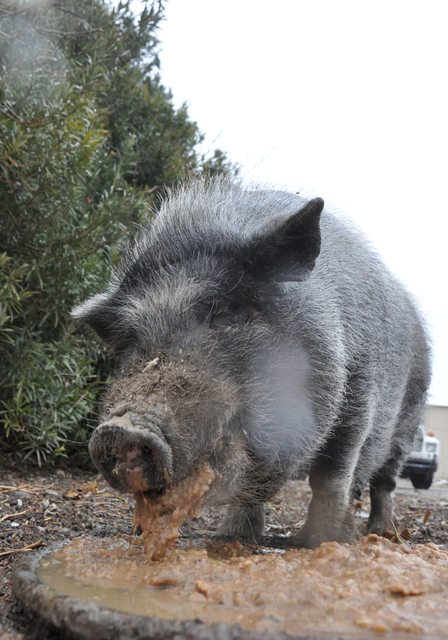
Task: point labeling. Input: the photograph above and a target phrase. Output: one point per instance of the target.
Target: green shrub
(88, 135)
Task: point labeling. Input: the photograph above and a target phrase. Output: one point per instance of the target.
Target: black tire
(422, 480)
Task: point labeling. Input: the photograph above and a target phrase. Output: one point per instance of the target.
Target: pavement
(438, 489)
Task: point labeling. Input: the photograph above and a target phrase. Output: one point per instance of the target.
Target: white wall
(436, 422)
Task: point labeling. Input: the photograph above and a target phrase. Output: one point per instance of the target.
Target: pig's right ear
(98, 313)
(287, 248)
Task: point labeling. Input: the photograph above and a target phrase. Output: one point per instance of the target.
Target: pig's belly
(371, 586)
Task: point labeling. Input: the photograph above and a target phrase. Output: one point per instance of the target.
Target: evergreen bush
(88, 137)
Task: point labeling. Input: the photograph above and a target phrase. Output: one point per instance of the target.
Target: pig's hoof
(244, 523)
(307, 541)
(378, 525)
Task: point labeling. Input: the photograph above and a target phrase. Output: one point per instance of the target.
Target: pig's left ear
(286, 250)
(98, 314)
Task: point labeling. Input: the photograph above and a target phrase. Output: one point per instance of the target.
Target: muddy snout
(132, 453)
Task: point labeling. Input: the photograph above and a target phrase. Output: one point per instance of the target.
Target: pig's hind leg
(244, 522)
(381, 507)
(383, 481)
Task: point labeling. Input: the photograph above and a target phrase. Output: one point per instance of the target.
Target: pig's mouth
(132, 453)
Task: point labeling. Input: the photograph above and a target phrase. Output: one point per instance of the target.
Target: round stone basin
(92, 612)
(106, 588)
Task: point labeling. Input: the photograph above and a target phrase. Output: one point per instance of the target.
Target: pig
(259, 332)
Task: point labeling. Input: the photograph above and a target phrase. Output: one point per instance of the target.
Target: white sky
(347, 100)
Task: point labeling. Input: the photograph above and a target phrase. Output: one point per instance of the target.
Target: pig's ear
(99, 315)
(286, 250)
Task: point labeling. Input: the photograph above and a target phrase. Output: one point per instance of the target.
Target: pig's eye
(225, 316)
(222, 311)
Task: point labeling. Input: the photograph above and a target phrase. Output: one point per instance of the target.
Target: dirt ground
(41, 506)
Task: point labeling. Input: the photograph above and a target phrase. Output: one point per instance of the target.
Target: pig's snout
(132, 453)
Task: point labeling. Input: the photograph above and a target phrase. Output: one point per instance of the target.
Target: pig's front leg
(329, 513)
(245, 522)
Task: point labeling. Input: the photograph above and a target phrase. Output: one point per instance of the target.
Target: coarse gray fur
(308, 356)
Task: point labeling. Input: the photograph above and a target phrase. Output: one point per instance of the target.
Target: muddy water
(371, 586)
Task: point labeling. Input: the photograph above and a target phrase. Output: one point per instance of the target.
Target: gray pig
(258, 331)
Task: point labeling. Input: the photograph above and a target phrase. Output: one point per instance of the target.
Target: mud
(374, 584)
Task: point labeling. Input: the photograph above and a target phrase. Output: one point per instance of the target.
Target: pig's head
(207, 371)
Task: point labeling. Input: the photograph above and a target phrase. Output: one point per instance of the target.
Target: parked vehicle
(422, 462)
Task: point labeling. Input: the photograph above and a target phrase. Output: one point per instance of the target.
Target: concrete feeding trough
(58, 599)
(88, 620)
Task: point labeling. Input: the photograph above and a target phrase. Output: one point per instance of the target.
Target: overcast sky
(346, 100)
